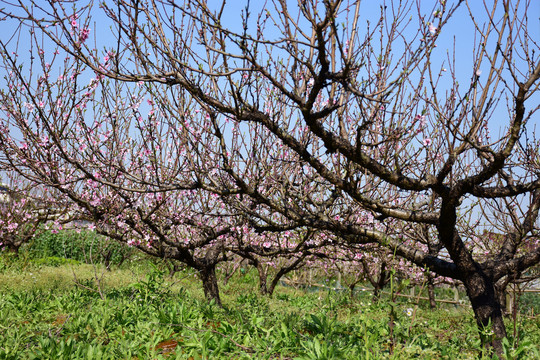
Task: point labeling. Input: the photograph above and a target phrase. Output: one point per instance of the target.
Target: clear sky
(458, 35)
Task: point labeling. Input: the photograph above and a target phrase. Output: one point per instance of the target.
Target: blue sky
(459, 32)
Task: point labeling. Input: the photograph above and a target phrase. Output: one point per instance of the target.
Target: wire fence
(513, 294)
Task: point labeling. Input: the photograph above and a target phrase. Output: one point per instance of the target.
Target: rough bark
(12, 244)
(209, 280)
(487, 309)
(431, 291)
(379, 282)
(500, 290)
(263, 288)
(282, 272)
(479, 285)
(13, 249)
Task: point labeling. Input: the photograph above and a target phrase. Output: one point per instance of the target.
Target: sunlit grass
(137, 311)
(64, 277)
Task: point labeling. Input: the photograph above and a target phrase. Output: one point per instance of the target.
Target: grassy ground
(137, 312)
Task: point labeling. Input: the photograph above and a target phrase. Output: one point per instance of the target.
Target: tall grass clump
(79, 245)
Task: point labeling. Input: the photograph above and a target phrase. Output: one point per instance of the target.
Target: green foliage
(152, 288)
(523, 350)
(151, 319)
(84, 246)
(530, 302)
(54, 261)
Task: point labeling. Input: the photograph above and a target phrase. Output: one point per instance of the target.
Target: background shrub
(83, 246)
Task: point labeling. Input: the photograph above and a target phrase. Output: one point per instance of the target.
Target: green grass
(140, 313)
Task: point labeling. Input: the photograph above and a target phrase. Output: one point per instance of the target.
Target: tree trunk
(274, 283)
(376, 294)
(13, 249)
(230, 274)
(501, 287)
(351, 289)
(377, 283)
(210, 283)
(384, 277)
(431, 291)
(276, 279)
(295, 265)
(263, 288)
(487, 310)
(262, 272)
(480, 286)
(173, 267)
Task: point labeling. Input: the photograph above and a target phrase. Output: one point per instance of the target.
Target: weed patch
(143, 314)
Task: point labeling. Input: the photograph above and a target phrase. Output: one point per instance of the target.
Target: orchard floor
(138, 312)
